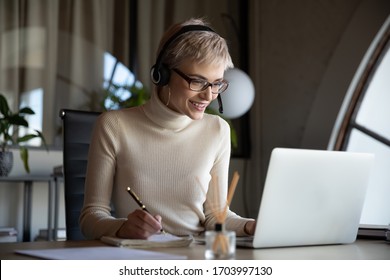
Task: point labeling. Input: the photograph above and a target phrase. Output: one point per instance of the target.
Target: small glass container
(220, 244)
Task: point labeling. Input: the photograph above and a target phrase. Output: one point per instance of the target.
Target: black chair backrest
(77, 131)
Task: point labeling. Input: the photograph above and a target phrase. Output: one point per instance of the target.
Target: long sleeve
(218, 188)
(96, 219)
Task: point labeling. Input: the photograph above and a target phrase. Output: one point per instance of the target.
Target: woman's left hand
(250, 227)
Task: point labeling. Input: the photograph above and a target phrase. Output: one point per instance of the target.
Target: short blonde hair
(198, 46)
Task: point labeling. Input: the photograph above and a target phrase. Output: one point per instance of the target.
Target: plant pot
(6, 163)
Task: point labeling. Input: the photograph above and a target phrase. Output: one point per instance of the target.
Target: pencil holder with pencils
(220, 244)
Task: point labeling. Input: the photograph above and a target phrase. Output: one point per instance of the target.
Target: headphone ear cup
(165, 75)
(154, 75)
(160, 76)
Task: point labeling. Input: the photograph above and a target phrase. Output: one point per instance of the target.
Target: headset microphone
(220, 104)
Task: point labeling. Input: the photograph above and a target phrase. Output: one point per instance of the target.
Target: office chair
(77, 130)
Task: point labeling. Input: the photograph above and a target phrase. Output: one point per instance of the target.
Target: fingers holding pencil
(140, 225)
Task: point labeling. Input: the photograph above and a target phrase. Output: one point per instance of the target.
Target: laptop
(311, 197)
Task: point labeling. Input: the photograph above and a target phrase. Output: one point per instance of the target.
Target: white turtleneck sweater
(168, 159)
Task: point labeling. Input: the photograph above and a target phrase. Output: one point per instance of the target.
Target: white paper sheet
(99, 253)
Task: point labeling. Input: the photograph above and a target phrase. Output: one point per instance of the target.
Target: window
(364, 125)
(121, 87)
(33, 99)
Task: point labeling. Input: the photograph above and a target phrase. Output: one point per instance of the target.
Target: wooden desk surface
(361, 249)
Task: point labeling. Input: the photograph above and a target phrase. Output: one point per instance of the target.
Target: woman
(168, 151)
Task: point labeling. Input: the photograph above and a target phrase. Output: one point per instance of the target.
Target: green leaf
(233, 136)
(24, 157)
(4, 108)
(26, 137)
(40, 135)
(8, 138)
(26, 110)
(17, 120)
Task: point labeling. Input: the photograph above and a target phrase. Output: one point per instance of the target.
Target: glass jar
(220, 244)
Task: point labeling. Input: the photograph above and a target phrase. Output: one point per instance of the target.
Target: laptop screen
(312, 197)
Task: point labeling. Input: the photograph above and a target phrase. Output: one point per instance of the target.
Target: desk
(27, 201)
(360, 250)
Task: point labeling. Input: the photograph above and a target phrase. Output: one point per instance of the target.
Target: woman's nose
(207, 94)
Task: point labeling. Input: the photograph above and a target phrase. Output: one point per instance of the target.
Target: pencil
(137, 199)
(139, 202)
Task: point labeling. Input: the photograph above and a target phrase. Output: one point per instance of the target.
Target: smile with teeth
(199, 105)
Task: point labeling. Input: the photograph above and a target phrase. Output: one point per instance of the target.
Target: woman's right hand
(140, 225)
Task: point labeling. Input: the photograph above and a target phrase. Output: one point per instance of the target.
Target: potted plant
(9, 127)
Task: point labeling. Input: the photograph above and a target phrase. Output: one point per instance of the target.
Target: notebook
(311, 197)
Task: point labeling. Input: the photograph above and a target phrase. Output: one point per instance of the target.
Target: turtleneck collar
(161, 115)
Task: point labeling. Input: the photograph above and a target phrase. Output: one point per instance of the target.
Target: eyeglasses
(201, 84)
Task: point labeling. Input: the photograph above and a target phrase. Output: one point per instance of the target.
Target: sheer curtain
(52, 54)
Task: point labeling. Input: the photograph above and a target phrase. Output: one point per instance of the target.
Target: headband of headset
(160, 75)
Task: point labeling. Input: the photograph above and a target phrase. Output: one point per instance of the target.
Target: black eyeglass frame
(225, 84)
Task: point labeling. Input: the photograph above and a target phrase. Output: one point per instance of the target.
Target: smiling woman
(182, 181)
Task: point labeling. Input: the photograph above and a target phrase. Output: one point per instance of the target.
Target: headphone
(160, 73)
